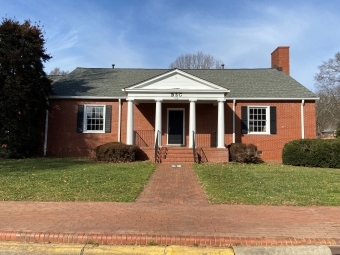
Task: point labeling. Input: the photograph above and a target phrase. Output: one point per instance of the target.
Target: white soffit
(176, 80)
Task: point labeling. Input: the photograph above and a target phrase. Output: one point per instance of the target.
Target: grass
(269, 184)
(55, 179)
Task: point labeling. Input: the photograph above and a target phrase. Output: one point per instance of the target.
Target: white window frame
(85, 119)
(267, 131)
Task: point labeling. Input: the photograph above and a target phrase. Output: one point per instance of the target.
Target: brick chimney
(280, 58)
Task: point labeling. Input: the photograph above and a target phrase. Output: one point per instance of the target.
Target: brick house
(176, 110)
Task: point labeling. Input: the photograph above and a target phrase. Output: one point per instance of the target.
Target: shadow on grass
(37, 164)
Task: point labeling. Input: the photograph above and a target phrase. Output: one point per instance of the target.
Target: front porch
(205, 150)
(176, 115)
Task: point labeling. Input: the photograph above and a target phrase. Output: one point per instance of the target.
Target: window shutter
(108, 113)
(273, 120)
(80, 119)
(244, 119)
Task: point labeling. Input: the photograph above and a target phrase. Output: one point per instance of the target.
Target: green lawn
(269, 184)
(55, 179)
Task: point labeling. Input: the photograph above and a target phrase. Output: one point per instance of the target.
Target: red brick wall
(206, 125)
(288, 115)
(64, 141)
(280, 58)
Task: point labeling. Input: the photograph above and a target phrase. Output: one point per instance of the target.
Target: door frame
(167, 126)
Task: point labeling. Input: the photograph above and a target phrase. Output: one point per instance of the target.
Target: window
(258, 119)
(94, 119)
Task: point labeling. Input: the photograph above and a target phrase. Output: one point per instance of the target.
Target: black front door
(175, 128)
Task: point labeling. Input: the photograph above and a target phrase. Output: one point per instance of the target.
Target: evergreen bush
(312, 153)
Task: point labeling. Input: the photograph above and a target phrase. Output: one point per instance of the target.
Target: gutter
(46, 131)
(271, 99)
(85, 97)
(227, 98)
(234, 116)
(302, 120)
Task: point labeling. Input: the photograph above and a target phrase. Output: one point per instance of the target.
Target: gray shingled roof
(242, 83)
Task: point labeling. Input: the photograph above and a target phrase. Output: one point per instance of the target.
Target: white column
(220, 125)
(119, 118)
(129, 128)
(234, 115)
(158, 121)
(192, 122)
(302, 120)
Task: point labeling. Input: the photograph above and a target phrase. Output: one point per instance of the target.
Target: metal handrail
(157, 146)
(144, 138)
(194, 146)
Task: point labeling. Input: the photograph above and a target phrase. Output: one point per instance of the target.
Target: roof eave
(85, 97)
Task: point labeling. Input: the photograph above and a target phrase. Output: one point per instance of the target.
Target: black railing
(144, 138)
(194, 147)
(201, 157)
(157, 147)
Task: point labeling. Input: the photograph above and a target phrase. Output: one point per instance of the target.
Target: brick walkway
(174, 184)
(165, 219)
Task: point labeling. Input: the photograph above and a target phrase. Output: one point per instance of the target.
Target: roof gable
(176, 80)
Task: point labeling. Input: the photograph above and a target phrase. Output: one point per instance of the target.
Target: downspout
(46, 131)
(234, 107)
(302, 119)
(119, 117)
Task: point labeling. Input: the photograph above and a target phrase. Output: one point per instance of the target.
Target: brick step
(177, 160)
(177, 155)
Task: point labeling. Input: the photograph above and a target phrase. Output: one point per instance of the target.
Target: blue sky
(152, 34)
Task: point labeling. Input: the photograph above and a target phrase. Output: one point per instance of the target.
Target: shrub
(312, 153)
(116, 152)
(4, 153)
(244, 153)
(337, 133)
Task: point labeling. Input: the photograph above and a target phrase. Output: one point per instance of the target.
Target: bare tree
(196, 61)
(328, 89)
(57, 71)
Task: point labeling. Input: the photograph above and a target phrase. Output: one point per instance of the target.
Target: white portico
(176, 86)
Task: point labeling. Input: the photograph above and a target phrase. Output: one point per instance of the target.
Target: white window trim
(267, 132)
(85, 119)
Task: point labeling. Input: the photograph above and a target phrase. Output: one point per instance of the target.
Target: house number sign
(176, 94)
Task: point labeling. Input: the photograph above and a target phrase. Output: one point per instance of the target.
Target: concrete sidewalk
(170, 219)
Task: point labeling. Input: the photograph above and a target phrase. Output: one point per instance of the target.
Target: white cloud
(153, 33)
(62, 41)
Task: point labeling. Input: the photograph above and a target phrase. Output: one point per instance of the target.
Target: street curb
(146, 239)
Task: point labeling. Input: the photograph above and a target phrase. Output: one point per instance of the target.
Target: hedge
(312, 153)
(116, 152)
